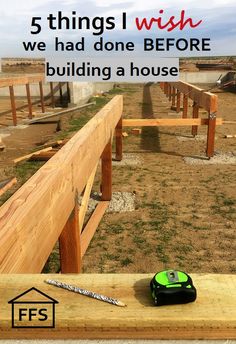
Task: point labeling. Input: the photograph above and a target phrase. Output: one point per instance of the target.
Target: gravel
(121, 202)
(128, 160)
(218, 158)
(191, 138)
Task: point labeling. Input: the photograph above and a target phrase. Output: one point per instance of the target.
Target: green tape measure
(172, 287)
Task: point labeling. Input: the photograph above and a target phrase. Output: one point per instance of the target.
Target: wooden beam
(41, 96)
(166, 88)
(22, 80)
(178, 101)
(185, 106)
(211, 129)
(13, 105)
(195, 115)
(28, 156)
(92, 225)
(34, 79)
(119, 140)
(211, 316)
(29, 101)
(52, 95)
(200, 96)
(5, 185)
(85, 199)
(107, 172)
(167, 122)
(60, 91)
(13, 81)
(169, 91)
(44, 156)
(69, 243)
(36, 120)
(173, 96)
(28, 228)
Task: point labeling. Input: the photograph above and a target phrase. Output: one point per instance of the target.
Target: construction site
(110, 183)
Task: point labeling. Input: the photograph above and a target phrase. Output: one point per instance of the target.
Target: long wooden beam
(34, 79)
(33, 218)
(92, 225)
(85, 200)
(6, 185)
(212, 316)
(22, 80)
(167, 122)
(6, 82)
(28, 156)
(204, 99)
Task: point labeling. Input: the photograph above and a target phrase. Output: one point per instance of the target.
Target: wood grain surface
(211, 316)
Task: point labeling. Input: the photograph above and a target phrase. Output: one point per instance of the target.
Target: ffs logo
(33, 309)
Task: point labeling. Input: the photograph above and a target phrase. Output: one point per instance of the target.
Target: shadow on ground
(150, 135)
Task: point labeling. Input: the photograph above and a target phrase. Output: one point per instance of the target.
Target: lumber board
(55, 143)
(33, 79)
(36, 120)
(106, 162)
(229, 122)
(44, 156)
(85, 200)
(12, 81)
(211, 316)
(167, 122)
(36, 214)
(229, 136)
(119, 141)
(92, 225)
(204, 99)
(28, 156)
(21, 80)
(5, 185)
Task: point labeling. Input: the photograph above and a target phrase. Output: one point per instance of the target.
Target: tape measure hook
(172, 276)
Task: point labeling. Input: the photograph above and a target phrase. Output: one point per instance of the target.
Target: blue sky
(219, 22)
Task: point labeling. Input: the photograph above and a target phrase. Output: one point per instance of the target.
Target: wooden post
(69, 243)
(195, 115)
(52, 95)
(13, 104)
(107, 172)
(166, 88)
(178, 101)
(60, 90)
(185, 106)
(41, 95)
(29, 100)
(211, 127)
(170, 89)
(118, 134)
(211, 135)
(173, 97)
(68, 91)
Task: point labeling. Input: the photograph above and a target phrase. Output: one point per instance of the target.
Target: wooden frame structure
(46, 207)
(27, 80)
(175, 91)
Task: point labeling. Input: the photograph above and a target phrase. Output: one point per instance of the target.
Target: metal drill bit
(85, 292)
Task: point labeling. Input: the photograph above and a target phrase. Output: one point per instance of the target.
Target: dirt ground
(185, 215)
